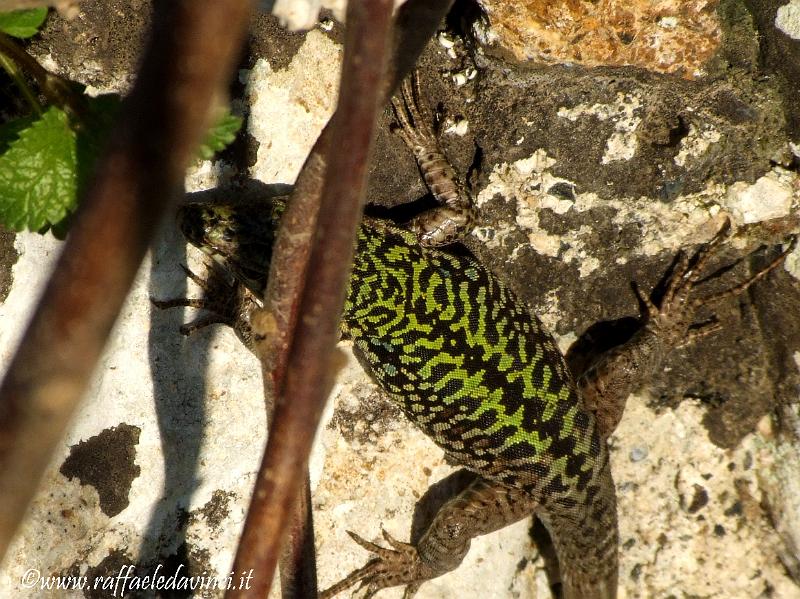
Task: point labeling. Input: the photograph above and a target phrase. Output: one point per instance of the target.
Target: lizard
(475, 369)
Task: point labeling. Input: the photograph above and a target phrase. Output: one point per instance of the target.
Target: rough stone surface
(8, 256)
(677, 36)
(787, 19)
(695, 506)
(587, 179)
(779, 57)
(101, 43)
(106, 462)
(305, 14)
(780, 479)
(304, 93)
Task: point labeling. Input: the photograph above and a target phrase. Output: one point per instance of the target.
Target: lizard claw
(668, 322)
(677, 308)
(400, 565)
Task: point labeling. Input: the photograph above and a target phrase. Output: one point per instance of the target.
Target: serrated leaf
(221, 134)
(22, 23)
(10, 131)
(38, 173)
(91, 137)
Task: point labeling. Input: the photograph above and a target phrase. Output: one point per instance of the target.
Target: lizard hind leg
(680, 303)
(455, 215)
(483, 507)
(669, 322)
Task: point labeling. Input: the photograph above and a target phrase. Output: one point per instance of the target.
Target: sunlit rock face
(669, 36)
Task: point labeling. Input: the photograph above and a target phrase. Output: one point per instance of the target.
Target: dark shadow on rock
(248, 192)
(178, 365)
(605, 335)
(544, 543)
(598, 339)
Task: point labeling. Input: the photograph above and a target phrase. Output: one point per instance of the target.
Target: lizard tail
(586, 540)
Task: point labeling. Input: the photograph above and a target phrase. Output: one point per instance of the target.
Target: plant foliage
(47, 157)
(22, 23)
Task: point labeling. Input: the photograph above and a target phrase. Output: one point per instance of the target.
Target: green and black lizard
(474, 368)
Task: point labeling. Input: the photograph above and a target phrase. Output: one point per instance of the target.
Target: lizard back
(464, 359)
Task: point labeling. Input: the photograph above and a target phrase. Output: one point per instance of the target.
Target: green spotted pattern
(464, 359)
(467, 362)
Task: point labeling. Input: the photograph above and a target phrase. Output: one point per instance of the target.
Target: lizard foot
(668, 323)
(400, 565)
(674, 315)
(225, 300)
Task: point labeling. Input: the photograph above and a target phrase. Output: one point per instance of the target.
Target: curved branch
(297, 354)
(190, 58)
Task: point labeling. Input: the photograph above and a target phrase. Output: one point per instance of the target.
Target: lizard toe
(400, 565)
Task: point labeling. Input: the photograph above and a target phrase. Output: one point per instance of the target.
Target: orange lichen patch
(666, 36)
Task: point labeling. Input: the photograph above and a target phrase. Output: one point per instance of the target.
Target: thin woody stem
(14, 72)
(57, 89)
(160, 125)
(277, 330)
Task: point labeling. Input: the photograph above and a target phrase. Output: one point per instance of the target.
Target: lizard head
(239, 237)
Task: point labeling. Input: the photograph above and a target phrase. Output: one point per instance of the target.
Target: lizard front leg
(226, 301)
(456, 214)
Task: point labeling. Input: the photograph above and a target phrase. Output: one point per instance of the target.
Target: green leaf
(22, 23)
(91, 138)
(222, 133)
(10, 131)
(38, 173)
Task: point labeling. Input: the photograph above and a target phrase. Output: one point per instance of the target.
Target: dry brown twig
(189, 60)
(296, 356)
(305, 357)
